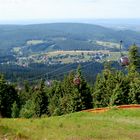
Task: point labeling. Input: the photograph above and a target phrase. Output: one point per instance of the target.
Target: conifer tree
(54, 96)
(121, 89)
(84, 92)
(27, 110)
(37, 105)
(40, 100)
(111, 88)
(134, 58)
(26, 93)
(134, 74)
(8, 95)
(15, 110)
(103, 87)
(134, 92)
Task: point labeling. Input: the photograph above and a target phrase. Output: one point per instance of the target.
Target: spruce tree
(134, 74)
(8, 95)
(54, 96)
(40, 100)
(103, 87)
(15, 110)
(84, 92)
(134, 58)
(134, 93)
(111, 88)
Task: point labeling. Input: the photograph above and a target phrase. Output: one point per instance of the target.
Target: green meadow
(116, 124)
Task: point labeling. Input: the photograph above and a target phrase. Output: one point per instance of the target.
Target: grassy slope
(112, 125)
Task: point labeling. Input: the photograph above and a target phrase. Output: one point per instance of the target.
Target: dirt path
(100, 110)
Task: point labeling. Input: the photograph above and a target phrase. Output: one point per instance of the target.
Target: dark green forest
(111, 87)
(34, 72)
(63, 36)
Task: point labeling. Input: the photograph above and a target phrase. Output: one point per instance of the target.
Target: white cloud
(43, 9)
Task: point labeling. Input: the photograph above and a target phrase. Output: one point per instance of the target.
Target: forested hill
(66, 36)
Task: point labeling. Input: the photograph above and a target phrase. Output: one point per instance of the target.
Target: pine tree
(15, 110)
(134, 58)
(121, 89)
(26, 93)
(134, 75)
(104, 85)
(54, 96)
(37, 105)
(111, 88)
(40, 100)
(8, 96)
(27, 110)
(134, 93)
(66, 100)
(84, 92)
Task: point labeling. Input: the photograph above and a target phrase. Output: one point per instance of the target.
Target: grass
(34, 42)
(116, 124)
(108, 44)
(16, 49)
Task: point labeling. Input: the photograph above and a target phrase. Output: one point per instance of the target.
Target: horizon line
(68, 20)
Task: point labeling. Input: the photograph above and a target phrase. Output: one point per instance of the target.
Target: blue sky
(67, 9)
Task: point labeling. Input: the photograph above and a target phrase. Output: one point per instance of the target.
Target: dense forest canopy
(112, 87)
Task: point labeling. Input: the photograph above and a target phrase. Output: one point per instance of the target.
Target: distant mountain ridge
(62, 36)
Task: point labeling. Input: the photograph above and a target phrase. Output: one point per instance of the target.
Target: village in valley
(59, 57)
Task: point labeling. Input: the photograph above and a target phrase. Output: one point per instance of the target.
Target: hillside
(61, 36)
(111, 125)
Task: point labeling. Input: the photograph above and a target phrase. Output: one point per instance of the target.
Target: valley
(48, 46)
(69, 70)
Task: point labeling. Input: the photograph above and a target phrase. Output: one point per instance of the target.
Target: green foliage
(54, 94)
(116, 88)
(112, 87)
(66, 97)
(84, 91)
(134, 75)
(40, 100)
(25, 94)
(15, 110)
(103, 88)
(27, 111)
(8, 96)
(134, 93)
(134, 57)
(37, 105)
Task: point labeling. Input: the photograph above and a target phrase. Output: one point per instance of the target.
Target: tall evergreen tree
(134, 93)
(121, 89)
(40, 100)
(103, 89)
(26, 93)
(111, 88)
(37, 105)
(84, 92)
(54, 96)
(134, 58)
(134, 74)
(8, 95)
(15, 110)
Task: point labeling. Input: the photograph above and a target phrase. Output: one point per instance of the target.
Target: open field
(116, 124)
(108, 44)
(73, 55)
(34, 42)
(83, 56)
(76, 52)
